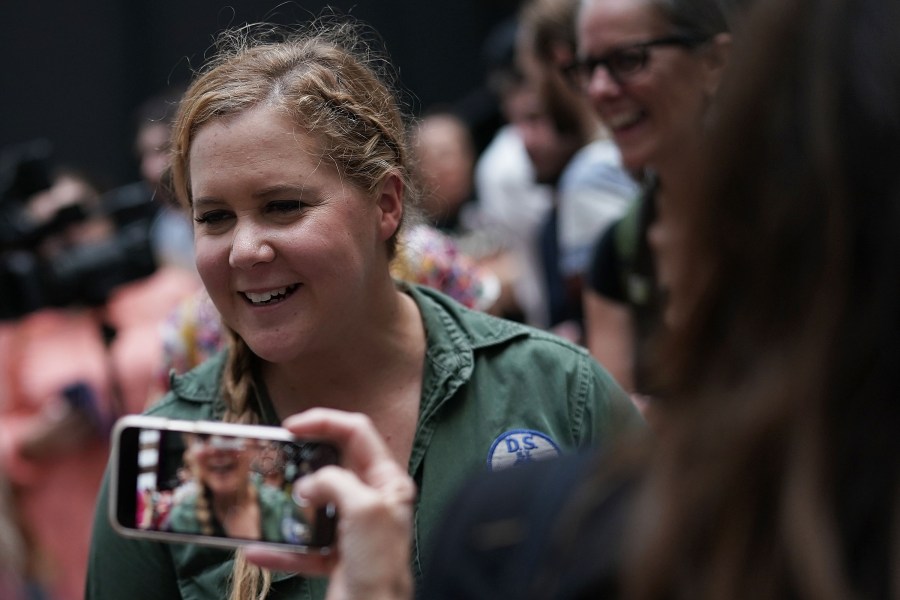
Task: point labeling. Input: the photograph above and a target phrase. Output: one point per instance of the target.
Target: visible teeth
(266, 296)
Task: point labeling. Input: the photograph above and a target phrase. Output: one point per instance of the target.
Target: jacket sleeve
(603, 409)
(120, 567)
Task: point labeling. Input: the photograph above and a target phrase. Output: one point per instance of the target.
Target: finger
(316, 565)
(364, 451)
(347, 492)
(367, 517)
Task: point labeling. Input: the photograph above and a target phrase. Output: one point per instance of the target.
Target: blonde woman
(225, 498)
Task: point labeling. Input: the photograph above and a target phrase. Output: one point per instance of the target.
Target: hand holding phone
(219, 484)
(374, 496)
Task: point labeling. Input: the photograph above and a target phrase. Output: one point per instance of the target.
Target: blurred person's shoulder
(599, 165)
(500, 537)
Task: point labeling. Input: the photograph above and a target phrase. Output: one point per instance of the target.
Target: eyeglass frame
(590, 64)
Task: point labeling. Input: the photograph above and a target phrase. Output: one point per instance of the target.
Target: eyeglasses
(624, 62)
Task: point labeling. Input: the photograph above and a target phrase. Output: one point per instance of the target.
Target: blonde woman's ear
(390, 205)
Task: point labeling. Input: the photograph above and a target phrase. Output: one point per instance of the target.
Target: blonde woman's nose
(250, 246)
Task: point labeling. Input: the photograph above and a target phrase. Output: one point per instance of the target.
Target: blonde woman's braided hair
(248, 581)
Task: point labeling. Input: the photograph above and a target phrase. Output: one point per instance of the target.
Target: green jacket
(278, 515)
(494, 392)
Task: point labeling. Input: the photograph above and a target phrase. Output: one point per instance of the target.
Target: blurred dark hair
(778, 470)
(550, 23)
(699, 18)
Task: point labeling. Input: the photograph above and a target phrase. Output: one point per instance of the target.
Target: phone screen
(217, 483)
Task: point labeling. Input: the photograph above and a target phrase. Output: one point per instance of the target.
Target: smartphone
(215, 483)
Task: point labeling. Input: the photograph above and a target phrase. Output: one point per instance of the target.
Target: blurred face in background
(152, 148)
(270, 460)
(653, 110)
(447, 162)
(548, 149)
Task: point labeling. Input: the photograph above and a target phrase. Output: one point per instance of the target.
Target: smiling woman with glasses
(651, 69)
(678, 47)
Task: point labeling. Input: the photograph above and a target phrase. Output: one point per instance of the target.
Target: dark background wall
(74, 71)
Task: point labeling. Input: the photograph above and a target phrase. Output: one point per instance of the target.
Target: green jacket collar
(453, 333)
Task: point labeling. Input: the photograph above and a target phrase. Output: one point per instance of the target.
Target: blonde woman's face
(289, 251)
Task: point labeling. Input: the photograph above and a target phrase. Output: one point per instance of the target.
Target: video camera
(84, 275)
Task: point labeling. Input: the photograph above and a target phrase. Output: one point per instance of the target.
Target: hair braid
(248, 581)
(203, 511)
(238, 386)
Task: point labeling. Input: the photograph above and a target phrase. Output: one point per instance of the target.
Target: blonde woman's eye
(212, 217)
(284, 206)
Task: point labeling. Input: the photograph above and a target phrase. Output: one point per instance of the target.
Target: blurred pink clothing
(41, 354)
